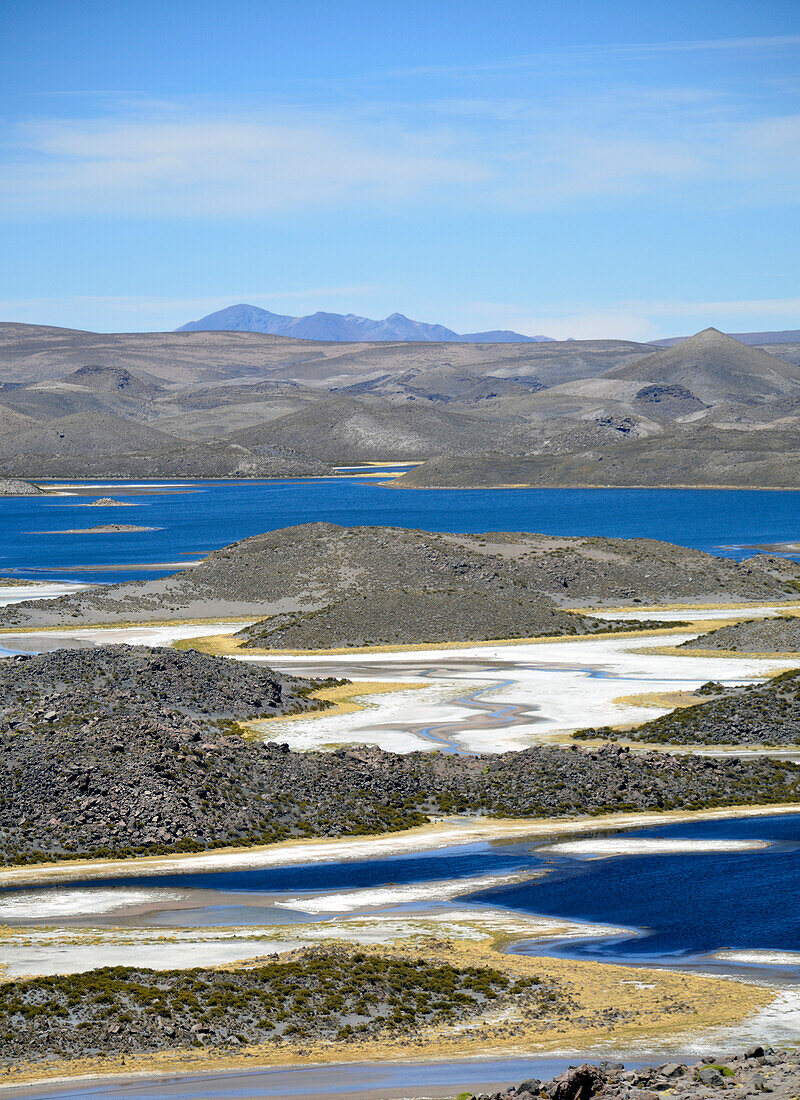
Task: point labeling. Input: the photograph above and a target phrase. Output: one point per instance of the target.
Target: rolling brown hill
(708, 411)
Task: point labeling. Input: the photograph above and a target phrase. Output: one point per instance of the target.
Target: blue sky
(598, 168)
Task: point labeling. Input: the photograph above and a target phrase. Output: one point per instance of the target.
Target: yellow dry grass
(346, 699)
(611, 1004)
(227, 645)
(672, 699)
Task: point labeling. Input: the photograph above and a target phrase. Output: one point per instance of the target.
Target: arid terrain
(708, 410)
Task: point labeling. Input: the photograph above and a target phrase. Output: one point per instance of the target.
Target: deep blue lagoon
(196, 517)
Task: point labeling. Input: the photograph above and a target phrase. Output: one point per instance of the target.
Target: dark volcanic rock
(377, 577)
(752, 1074)
(758, 714)
(16, 487)
(67, 687)
(125, 785)
(778, 635)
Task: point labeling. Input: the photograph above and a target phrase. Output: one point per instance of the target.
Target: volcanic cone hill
(715, 368)
(758, 714)
(127, 784)
(67, 688)
(463, 583)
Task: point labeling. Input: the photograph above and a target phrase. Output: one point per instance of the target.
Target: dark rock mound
(407, 615)
(65, 689)
(293, 572)
(16, 487)
(778, 635)
(759, 1070)
(758, 714)
(126, 785)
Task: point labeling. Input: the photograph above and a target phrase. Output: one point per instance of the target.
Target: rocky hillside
(681, 456)
(405, 615)
(778, 635)
(759, 714)
(708, 411)
(127, 784)
(309, 569)
(71, 688)
(716, 368)
(15, 487)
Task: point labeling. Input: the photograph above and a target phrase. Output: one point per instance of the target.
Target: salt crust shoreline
(607, 848)
(441, 834)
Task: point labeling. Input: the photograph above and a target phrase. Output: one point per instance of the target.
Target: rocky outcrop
(757, 1071)
(367, 581)
(16, 487)
(778, 635)
(67, 688)
(757, 714)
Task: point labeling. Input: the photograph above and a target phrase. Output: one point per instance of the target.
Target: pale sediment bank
(18, 591)
(33, 950)
(154, 634)
(608, 847)
(102, 529)
(506, 696)
(425, 838)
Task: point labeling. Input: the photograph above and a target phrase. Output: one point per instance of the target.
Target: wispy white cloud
(152, 163)
(172, 160)
(577, 52)
(761, 42)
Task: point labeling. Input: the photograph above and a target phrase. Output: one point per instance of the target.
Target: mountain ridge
(347, 327)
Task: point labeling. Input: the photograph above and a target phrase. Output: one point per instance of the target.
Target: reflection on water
(367, 1081)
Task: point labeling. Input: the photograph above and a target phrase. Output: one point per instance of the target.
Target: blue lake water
(688, 905)
(199, 516)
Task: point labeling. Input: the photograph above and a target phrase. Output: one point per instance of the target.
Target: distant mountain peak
(347, 327)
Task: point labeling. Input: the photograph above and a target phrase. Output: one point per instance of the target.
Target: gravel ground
(67, 688)
(398, 584)
(776, 635)
(128, 785)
